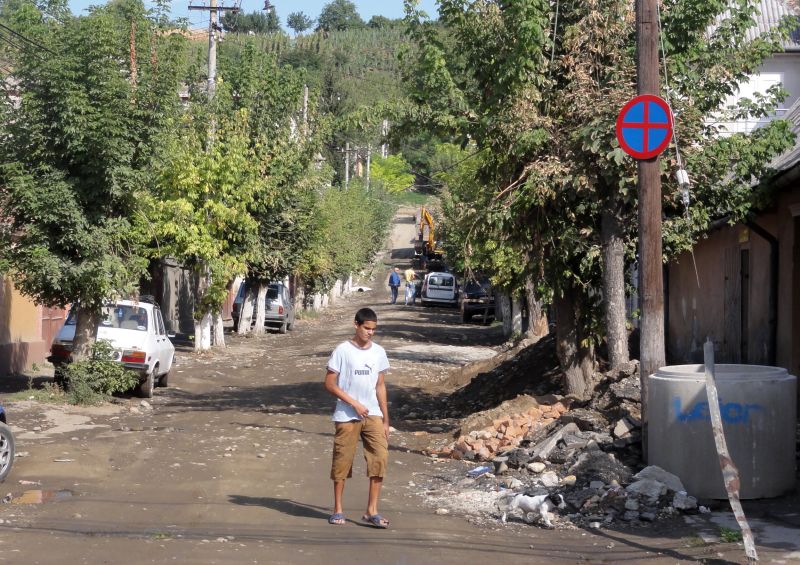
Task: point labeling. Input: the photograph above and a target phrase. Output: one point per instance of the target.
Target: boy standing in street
(355, 377)
(394, 283)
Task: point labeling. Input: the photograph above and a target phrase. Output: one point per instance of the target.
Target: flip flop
(376, 521)
(334, 519)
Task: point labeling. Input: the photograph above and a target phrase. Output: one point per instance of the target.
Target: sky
(312, 8)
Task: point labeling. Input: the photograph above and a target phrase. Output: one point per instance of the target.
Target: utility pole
(369, 158)
(384, 135)
(305, 111)
(651, 286)
(213, 28)
(347, 166)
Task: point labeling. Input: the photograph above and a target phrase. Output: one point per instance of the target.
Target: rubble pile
(505, 432)
(588, 451)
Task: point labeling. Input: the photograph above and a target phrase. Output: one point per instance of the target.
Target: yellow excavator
(426, 247)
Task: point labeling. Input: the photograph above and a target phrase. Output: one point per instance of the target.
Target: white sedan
(136, 332)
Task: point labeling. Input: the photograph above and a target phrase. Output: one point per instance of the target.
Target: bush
(92, 379)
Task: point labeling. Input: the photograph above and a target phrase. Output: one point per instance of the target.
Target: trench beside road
(230, 464)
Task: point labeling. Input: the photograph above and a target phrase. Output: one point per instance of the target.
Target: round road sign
(644, 126)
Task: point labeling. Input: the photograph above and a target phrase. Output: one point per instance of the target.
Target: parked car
(476, 297)
(439, 288)
(135, 329)
(279, 309)
(6, 446)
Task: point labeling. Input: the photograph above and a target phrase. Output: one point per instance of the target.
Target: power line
(26, 39)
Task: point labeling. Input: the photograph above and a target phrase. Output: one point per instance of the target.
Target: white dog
(541, 504)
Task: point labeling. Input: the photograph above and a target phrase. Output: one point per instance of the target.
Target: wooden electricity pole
(651, 283)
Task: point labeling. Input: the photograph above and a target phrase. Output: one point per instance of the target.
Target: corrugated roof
(791, 157)
(770, 13)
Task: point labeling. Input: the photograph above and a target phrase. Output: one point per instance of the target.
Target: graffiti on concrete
(731, 412)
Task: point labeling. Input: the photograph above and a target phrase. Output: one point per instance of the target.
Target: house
(26, 329)
(741, 286)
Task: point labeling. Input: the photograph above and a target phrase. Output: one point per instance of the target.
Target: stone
(596, 485)
(480, 420)
(569, 481)
(549, 479)
(631, 504)
(500, 468)
(623, 428)
(594, 525)
(512, 483)
(600, 466)
(518, 458)
(648, 516)
(543, 449)
(630, 516)
(647, 488)
(683, 501)
(536, 467)
(627, 389)
(577, 498)
(146, 405)
(435, 429)
(656, 473)
(442, 511)
(572, 442)
(586, 419)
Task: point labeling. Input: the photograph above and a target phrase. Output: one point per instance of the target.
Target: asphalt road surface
(231, 463)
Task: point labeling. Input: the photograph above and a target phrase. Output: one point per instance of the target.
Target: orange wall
(20, 330)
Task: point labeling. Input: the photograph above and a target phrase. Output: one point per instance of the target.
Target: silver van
(440, 288)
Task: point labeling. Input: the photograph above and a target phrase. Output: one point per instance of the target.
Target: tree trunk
(260, 308)
(85, 332)
(202, 333)
(246, 312)
(505, 312)
(567, 347)
(537, 319)
(611, 235)
(219, 331)
(516, 316)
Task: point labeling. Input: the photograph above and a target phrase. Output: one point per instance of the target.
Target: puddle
(40, 496)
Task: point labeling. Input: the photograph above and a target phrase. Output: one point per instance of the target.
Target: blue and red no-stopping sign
(644, 126)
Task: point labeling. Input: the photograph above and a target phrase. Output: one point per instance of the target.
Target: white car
(439, 288)
(135, 329)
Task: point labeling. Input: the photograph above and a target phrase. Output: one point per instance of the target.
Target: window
(124, 317)
(440, 281)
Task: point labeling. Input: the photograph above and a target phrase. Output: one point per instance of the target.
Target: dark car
(279, 309)
(476, 298)
(6, 446)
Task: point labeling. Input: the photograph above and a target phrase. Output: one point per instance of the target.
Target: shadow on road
(284, 505)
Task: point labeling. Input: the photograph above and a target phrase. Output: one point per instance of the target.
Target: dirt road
(230, 464)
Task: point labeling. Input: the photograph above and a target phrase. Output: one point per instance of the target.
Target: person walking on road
(394, 284)
(411, 291)
(355, 376)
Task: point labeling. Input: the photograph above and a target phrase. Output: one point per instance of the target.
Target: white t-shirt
(358, 371)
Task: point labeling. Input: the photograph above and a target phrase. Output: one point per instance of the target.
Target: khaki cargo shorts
(376, 447)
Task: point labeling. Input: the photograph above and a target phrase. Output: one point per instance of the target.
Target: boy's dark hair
(366, 315)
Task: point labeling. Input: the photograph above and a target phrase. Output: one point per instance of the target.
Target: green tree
(77, 154)
(255, 22)
(559, 189)
(393, 173)
(381, 22)
(299, 22)
(205, 184)
(339, 15)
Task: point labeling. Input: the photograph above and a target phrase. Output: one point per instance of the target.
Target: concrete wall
(21, 342)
